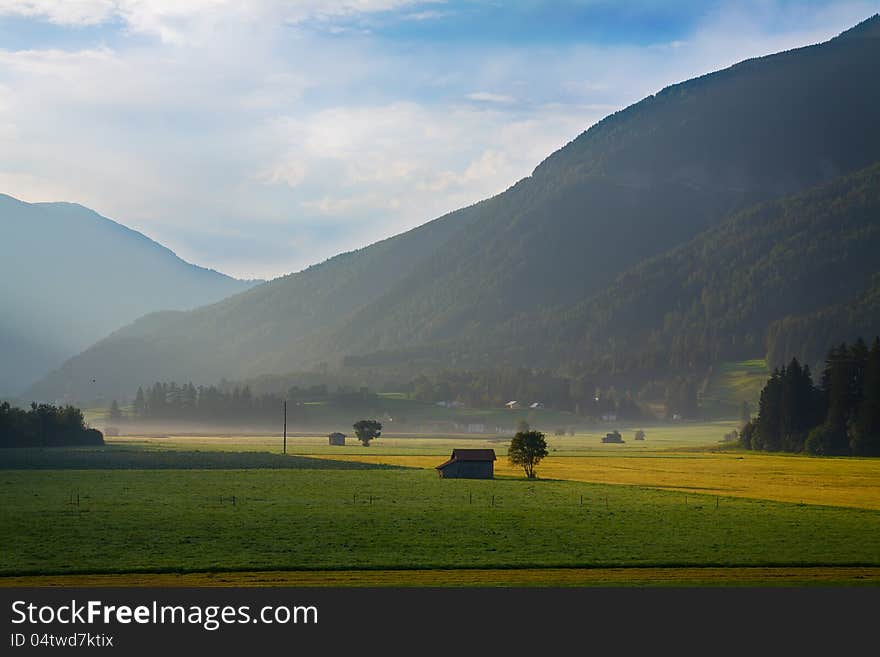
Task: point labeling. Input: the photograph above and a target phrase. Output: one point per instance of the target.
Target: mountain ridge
(69, 275)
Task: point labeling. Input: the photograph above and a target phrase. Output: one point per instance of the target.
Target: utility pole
(284, 403)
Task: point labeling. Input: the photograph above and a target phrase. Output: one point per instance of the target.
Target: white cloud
(63, 12)
(176, 21)
(257, 148)
(485, 96)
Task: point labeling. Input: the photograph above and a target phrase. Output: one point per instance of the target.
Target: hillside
(70, 276)
(742, 288)
(636, 184)
(475, 286)
(263, 330)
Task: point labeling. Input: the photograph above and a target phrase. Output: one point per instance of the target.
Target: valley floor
(232, 511)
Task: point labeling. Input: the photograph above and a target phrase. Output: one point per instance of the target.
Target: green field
(733, 383)
(184, 520)
(678, 508)
(660, 437)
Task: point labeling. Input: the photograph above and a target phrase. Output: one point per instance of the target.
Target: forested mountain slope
(787, 278)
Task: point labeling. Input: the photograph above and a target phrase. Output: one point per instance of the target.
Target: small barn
(469, 464)
(613, 437)
(337, 439)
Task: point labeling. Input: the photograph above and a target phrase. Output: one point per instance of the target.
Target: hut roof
(469, 455)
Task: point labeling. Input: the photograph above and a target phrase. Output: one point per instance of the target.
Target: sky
(258, 137)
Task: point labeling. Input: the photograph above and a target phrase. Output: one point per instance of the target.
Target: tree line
(839, 416)
(236, 403)
(172, 401)
(45, 425)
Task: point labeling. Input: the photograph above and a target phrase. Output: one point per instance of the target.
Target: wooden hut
(469, 464)
(337, 439)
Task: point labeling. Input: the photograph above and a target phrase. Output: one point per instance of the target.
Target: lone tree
(367, 430)
(527, 449)
(115, 413)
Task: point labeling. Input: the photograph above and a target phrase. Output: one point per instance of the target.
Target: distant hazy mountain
(470, 288)
(69, 276)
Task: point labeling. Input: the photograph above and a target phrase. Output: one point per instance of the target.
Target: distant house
(337, 439)
(609, 417)
(512, 404)
(536, 405)
(468, 464)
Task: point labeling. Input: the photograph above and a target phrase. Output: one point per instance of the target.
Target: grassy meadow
(678, 508)
(74, 521)
(685, 457)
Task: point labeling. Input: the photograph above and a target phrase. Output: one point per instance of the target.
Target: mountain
(70, 276)
(469, 288)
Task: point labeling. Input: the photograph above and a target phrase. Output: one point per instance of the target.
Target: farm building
(536, 405)
(613, 437)
(337, 439)
(469, 464)
(513, 404)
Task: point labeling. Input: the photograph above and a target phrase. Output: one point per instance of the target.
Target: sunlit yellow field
(827, 481)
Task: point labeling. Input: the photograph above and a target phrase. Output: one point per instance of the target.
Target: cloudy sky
(260, 136)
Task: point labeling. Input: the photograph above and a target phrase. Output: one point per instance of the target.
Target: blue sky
(258, 137)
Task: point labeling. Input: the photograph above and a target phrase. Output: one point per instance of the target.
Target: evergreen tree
(840, 398)
(865, 434)
(766, 433)
(797, 399)
(140, 404)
